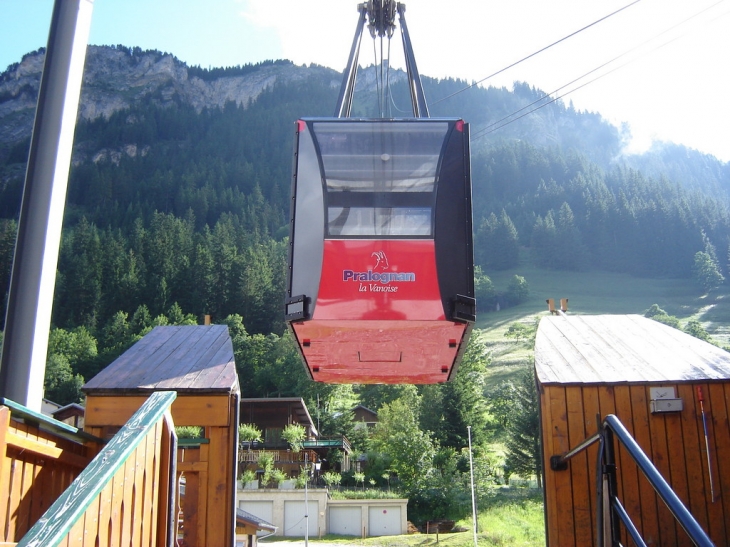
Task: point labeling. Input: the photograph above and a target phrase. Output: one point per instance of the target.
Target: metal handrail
(606, 473)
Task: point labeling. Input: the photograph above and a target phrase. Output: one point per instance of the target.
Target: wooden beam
(47, 450)
(206, 410)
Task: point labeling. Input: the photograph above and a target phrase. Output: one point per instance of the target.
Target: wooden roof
(620, 349)
(183, 358)
(244, 517)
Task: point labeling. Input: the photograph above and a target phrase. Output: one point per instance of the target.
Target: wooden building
(197, 363)
(248, 526)
(363, 416)
(271, 416)
(649, 375)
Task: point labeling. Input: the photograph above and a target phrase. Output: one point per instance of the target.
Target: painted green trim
(322, 444)
(49, 424)
(57, 521)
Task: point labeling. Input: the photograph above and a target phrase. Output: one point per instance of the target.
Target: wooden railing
(125, 496)
(39, 459)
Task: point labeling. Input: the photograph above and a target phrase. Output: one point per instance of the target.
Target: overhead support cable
(491, 127)
(536, 52)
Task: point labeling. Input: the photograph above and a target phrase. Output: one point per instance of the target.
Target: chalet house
(363, 415)
(271, 416)
(72, 414)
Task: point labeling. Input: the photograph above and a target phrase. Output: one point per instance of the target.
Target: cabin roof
(71, 409)
(620, 349)
(193, 358)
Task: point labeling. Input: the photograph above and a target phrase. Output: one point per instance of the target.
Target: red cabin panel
(379, 279)
(380, 352)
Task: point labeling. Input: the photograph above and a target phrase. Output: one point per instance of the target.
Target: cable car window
(380, 177)
(365, 221)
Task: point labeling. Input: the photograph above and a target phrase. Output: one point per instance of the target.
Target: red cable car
(381, 277)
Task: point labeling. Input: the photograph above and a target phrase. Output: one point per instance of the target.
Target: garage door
(345, 521)
(295, 521)
(384, 521)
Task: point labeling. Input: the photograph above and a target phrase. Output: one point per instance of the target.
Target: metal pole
(33, 278)
(473, 499)
(306, 501)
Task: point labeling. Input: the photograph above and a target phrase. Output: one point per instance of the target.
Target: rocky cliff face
(117, 78)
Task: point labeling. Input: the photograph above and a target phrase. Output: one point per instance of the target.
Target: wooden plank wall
(673, 441)
(209, 472)
(36, 468)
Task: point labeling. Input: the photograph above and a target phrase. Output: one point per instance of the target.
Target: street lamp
(317, 466)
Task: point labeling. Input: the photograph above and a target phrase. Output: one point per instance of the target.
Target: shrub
(248, 433)
(331, 478)
(294, 434)
(247, 476)
(189, 431)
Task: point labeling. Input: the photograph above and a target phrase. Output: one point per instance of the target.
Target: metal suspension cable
(537, 52)
(388, 96)
(382, 80)
(375, 71)
(488, 129)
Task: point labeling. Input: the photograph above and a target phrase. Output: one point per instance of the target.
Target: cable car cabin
(381, 280)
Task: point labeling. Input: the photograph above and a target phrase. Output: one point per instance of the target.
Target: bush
(247, 476)
(438, 503)
(695, 328)
(484, 291)
(294, 434)
(331, 478)
(189, 431)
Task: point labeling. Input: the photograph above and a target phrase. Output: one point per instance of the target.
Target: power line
(537, 52)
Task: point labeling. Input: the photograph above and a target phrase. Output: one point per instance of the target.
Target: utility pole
(306, 501)
(473, 499)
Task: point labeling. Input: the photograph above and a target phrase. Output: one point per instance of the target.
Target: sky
(669, 82)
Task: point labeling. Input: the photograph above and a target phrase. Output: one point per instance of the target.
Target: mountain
(179, 190)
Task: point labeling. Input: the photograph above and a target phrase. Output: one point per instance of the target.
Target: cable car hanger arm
(381, 14)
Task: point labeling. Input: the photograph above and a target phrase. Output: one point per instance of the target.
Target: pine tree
(523, 445)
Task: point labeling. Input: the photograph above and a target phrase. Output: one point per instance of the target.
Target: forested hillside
(179, 189)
